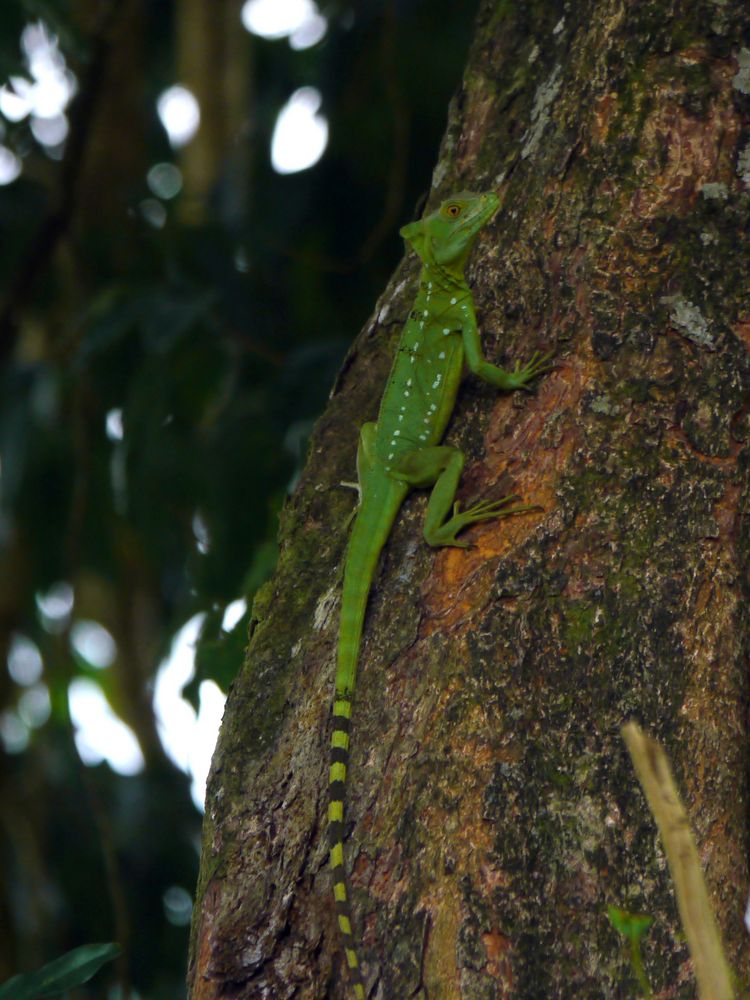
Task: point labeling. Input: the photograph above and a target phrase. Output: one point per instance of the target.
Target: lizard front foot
(537, 365)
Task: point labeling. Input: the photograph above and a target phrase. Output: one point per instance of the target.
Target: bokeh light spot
(55, 607)
(153, 212)
(298, 20)
(100, 734)
(50, 131)
(165, 180)
(114, 425)
(300, 135)
(34, 706)
(178, 906)
(13, 732)
(180, 115)
(24, 661)
(189, 739)
(233, 613)
(10, 166)
(94, 643)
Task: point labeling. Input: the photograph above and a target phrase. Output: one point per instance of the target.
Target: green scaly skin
(401, 452)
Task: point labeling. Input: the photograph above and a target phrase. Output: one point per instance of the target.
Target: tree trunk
(493, 813)
(213, 61)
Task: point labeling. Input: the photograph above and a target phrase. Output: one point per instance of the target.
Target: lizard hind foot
(475, 513)
(487, 510)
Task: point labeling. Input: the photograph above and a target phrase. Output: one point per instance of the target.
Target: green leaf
(631, 925)
(71, 969)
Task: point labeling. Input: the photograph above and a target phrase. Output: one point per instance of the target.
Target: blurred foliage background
(172, 315)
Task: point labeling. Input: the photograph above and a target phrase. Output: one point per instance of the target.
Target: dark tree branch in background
(57, 223)
(397, 174)
(394, 194)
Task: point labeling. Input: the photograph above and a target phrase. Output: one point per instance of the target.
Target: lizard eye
(453, 211)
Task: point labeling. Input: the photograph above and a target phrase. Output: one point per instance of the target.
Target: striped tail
(339, 762)
(380, 503)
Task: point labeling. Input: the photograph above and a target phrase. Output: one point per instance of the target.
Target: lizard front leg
(518, 378)
(440, 467)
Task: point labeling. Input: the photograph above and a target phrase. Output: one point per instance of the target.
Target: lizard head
(447, 235)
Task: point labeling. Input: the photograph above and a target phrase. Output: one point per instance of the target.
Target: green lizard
(402, 451)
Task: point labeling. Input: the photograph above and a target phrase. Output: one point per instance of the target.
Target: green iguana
(401, 452)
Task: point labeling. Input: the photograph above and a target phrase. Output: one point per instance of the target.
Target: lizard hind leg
(365, 457)
(440, 467)
(366, 450)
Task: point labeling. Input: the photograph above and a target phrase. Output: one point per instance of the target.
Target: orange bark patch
(520, 462)
(457, 832)
(498, 948)
(742, 330)
(454, 840)
(604, 109)
(204, 985)
(726, 511)
(440, 958)
(714, 713)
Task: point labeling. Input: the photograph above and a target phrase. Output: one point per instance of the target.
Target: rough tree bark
(493, 812)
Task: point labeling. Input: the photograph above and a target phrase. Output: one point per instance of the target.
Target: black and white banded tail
(339, 763)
